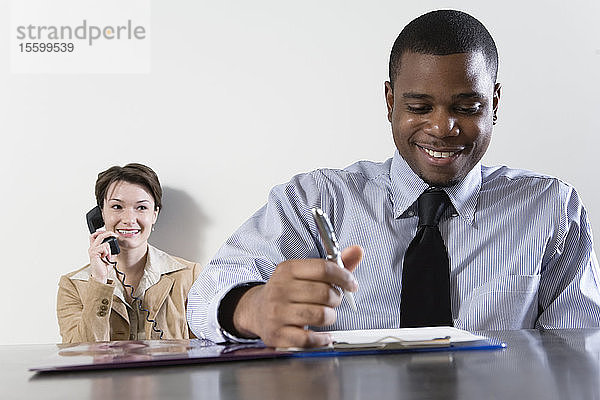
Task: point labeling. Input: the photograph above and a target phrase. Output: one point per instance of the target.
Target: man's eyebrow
(413, 95)
(470, 95)
(467, 95)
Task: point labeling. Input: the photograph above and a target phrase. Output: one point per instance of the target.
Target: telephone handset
(95, 221)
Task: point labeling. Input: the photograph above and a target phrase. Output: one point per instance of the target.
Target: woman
(93, 305)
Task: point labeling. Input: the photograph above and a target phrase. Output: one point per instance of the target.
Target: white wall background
(238, 95)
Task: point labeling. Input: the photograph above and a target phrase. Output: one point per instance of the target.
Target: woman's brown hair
(138, 174)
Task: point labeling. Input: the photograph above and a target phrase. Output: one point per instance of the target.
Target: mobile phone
(94, 222)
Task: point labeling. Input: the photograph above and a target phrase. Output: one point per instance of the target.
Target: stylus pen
(331, 246)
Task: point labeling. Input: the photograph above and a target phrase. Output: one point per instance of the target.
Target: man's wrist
(227, 308)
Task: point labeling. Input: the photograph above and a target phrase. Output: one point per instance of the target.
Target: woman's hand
(97, 252)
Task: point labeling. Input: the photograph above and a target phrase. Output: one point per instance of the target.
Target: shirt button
(104, 301)
(411, 214)
(103, 307)
(101, 313)
(131, 337)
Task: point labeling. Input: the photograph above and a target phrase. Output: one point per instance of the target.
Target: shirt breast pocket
(505, 302)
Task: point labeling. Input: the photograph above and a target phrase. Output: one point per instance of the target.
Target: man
(516, 248)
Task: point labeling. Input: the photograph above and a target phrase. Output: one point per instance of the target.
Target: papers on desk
(371, 341)
(402, 338)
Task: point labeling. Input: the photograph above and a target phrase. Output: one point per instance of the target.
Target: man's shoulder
(514, 179)
(360, 177)
(360, 171)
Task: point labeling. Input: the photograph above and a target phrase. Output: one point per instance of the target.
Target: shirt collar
(407, 186)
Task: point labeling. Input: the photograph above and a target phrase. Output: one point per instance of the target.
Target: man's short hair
(441, 33)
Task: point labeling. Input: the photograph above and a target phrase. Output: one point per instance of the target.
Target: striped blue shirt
(519, 244)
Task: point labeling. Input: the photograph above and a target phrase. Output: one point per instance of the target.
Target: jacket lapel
(157, 294)
(119, 307)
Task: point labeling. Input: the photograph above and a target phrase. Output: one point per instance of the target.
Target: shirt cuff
(213, 315)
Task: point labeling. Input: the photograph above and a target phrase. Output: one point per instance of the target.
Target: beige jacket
(90, 311)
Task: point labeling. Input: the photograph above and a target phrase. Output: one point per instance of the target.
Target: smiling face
(129, 211)
(441, 110)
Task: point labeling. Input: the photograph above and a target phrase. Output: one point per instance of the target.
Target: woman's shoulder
(82, 274)
(75, 279)
(173, 265)
(188, 264)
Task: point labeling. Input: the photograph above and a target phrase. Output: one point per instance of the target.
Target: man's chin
(438, 180)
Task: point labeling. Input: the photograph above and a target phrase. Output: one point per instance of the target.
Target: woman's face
(129, 212)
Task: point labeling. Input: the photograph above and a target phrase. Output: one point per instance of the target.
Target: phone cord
(139, 301)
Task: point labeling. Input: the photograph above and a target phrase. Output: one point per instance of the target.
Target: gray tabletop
(557, 364)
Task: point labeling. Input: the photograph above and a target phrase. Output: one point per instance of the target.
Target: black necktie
(425, 297)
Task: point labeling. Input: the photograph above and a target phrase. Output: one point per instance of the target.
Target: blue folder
(147, 353)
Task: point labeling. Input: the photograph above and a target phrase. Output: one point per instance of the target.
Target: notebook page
(403, 334)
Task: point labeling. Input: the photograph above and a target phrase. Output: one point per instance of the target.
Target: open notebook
(401, 339)
(407, 337)
(146, 353)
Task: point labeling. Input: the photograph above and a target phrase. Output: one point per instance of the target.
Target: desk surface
(559, 364)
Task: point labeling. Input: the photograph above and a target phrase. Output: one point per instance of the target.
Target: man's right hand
(299, 293)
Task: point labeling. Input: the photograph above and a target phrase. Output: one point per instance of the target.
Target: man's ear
(497, 92)
(389, 99)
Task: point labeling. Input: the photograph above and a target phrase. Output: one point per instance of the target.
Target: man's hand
(299, 293)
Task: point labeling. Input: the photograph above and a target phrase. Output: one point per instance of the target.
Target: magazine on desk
(146, 353)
